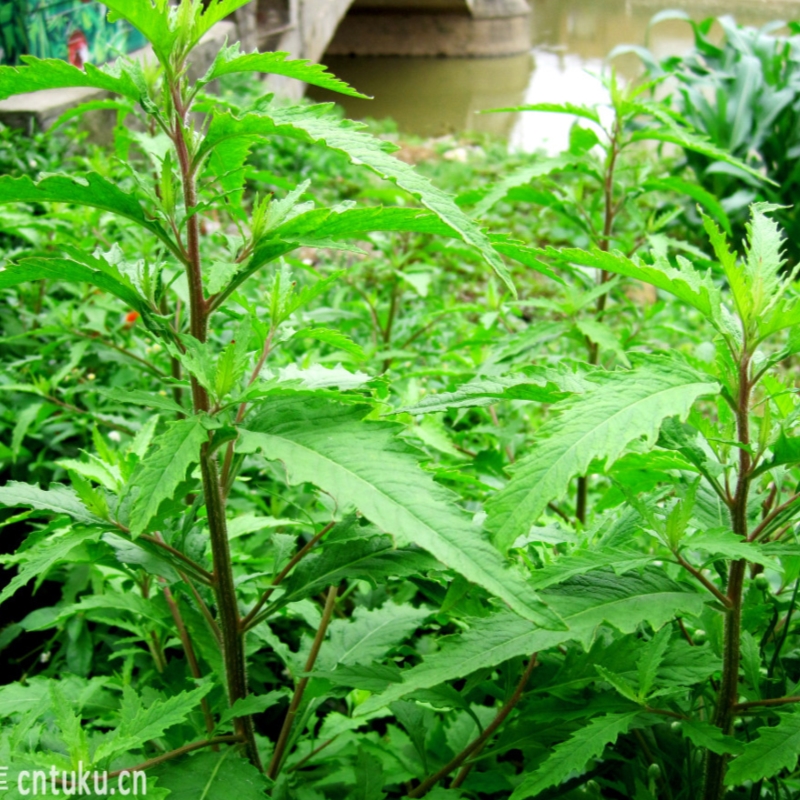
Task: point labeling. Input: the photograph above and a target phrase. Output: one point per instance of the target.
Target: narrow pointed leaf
(160, 473)
(597, 425)
(583, 602)
(315, 125)
(573, 755)
(52, 73)
(554, 108)
(542, 385)
(152, 18)
(140, 723)
(37, 560)
(365, 465)
(91, 190)
(57, 499)
(774, 750)
(519, 177)
(371, 559)
(230, 60)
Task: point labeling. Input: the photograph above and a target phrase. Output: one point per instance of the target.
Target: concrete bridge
(311, 28)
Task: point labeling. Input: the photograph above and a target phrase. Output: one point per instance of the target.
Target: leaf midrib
(577, 444)
(403, 509)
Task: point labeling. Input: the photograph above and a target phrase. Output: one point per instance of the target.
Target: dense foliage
(743, 93)
(326, 475)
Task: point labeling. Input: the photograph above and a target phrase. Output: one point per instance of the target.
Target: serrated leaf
(53, 73)
(600, 334)
(57, 499)
(369, 633)
(37, 560)
(369, 777)
(684, 282)
(584, 603)
(367, 466)
(774, 750)
(94, 469)
(334, 338)
(650, 661)
(139, 724)
(572, 755)
(152, 18)
(617, 682)
(624, 601)
(230, 60)
(579, 562)
(708, 736)
(160, 472)
(678, 186)
(318, 376)
(520, 176)
(369, 558)
(25, 419)
(751, 662)
(488, 642)
(315, 125)
(72, 732)
(69, 271)
(543, 385)
(252, 704)
(696, 144)
(555, 108)
(91, 190)
(728, 545)
(412, 718)
(150, 558)
(212, 776)
(595, 426)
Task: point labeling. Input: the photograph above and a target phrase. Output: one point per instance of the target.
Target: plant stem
(227, 478)
(187, 748)
(188, 649)
(775, 701)
(305, 759)
(481, 740)
(248, 621)
(159, 373)
(784, 633)
(200, 573)
(225, 589)
(600, 307)
(297, 697)
(723, 598)
(387, 331)
(728, 694)
(204, 609)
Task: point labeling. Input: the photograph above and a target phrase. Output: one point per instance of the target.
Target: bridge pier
(433, 28)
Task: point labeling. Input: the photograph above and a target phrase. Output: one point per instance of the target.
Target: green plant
(199, 172)
(708, 492)
(239, 556)
(607, 200)
(742, 93)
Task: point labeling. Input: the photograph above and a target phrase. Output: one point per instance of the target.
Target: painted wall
(77, 31)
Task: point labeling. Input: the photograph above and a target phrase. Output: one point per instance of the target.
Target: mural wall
(77, 31)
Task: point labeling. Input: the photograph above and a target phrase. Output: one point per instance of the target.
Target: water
(570, 40)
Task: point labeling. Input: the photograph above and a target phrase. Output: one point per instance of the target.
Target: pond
(570, 40)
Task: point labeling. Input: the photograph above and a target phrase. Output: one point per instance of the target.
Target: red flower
(131, 317)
